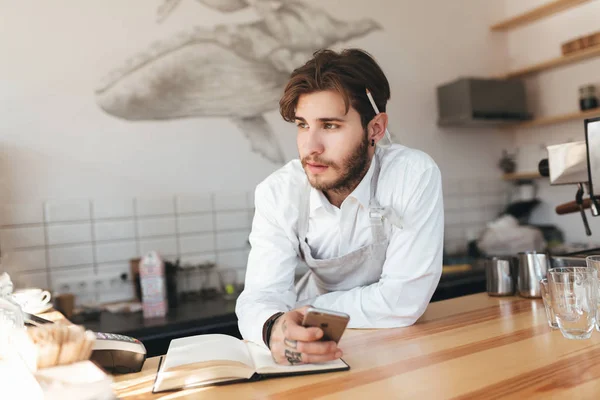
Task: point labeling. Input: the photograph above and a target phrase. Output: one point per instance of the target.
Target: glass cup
(574, 297)
(594, 262)
(550, 316)
(229, 283)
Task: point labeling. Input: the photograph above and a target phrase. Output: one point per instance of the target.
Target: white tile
(113, 288)
(196, 259)
(110, 271)
(114, 230)
(112, 208)
(241, 274)
(69, 233)
(455, 246)
(197, 243)
(471, 217)
(476, 230)
(232, 259)
(147, 206)
(454, 233)
(213, 279)
(485, 216)
(232, 220)
(83, 273)
(63, 211)
(18, 214)
(250, 217)
(470, 186)
(489, 186)
(23, 260)
(195, 223)
(489, 200)
(156, 226)
(451, 186)
(194, 203)
(452, 202)
(11, 238)
(490, 213)
(38, 279)
(231, 201)
(124, 293)
(470, 202)
(250, 198)
(80, 282)
(232, 240)
(69, 256)
(122, 251)
(164, 247)
(76, 280)
(451, 218)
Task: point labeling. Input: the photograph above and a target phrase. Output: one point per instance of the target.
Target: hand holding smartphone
(332, 323)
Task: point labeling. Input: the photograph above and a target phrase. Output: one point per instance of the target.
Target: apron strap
(303, 212)
(376, 212)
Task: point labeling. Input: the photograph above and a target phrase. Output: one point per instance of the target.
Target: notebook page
(203, 348)
(266, 365)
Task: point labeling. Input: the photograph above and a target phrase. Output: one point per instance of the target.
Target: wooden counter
(469, 348)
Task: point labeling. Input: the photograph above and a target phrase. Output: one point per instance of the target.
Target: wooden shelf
(555, 62)
(536, 14)
(581, 115)
(521, 176)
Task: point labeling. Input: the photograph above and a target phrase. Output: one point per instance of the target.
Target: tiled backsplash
(83, 246)
(469, 205)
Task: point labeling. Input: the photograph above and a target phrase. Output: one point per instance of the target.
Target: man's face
(332, 144)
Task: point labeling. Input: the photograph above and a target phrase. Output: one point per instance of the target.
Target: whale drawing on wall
(235, 71)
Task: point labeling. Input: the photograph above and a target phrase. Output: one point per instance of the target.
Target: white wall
(57, 144)
(551, 93)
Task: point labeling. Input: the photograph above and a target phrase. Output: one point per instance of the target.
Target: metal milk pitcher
(532, 268)
(500, 277)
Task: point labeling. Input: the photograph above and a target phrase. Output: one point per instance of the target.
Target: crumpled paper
(6, 285)
(505, 237)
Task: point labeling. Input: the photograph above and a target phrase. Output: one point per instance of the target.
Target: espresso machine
(577, 163)
(573, 163)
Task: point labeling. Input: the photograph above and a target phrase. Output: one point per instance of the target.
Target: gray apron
(360, 267)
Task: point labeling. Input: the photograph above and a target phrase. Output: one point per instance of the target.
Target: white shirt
(409, 182)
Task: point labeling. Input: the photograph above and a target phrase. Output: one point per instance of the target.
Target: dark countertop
(191, 317)
(217, 315)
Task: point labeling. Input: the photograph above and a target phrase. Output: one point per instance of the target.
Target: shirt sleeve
(412, 268)
(269, 284)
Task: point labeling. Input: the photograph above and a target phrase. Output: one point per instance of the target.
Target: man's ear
(377, 126)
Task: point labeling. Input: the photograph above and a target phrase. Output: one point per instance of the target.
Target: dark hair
(349, 73)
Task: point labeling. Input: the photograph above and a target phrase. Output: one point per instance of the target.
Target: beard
(350, 171)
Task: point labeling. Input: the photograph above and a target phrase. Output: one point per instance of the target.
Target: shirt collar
(362, 192)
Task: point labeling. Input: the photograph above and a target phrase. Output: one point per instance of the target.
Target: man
(366, 217)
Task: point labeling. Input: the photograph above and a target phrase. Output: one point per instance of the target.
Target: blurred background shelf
(557, 119)
(520, 176)
(580, 55)
(535, 14)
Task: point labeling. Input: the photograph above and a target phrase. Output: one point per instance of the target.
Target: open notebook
(213, 359)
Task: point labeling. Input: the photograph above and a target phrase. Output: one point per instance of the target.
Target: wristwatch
(268, 326)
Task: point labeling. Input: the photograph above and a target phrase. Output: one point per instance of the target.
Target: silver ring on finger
(292, 344)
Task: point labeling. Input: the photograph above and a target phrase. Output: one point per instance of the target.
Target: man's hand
(292, 344)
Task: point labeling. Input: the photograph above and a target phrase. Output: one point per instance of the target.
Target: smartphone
(332, 323)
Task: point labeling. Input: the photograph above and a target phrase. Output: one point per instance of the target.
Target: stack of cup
(594, 263)
(571, 299)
